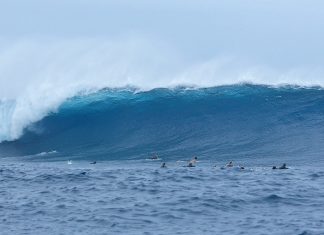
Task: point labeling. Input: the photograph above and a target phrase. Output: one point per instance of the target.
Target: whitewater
(67, 103)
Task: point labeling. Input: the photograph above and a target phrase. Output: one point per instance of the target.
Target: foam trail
(36, 76)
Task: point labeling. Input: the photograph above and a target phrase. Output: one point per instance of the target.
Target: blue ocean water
(138, 197)
(126, 192)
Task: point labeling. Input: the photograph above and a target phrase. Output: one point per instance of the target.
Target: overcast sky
(273, 32)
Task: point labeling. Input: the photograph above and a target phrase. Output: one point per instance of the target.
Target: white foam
(46, 153)
(36, 76)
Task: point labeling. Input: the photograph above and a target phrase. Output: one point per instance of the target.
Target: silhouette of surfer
(192, 162)
(230, 164)
(283, 167)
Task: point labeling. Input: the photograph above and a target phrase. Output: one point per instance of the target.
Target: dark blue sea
(48, 186)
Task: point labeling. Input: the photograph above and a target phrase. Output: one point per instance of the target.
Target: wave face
(225, 122)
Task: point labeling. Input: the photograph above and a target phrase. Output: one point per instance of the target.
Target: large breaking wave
(72, 97)
(227, 121)
(38, 74)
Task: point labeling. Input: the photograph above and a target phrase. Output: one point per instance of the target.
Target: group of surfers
(194, 160)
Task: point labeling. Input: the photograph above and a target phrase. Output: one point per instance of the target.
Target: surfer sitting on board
(230, 164)
(283, 166)
(192, 162)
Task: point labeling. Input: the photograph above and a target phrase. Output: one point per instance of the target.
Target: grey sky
(272, 32)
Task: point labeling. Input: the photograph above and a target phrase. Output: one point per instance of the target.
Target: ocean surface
(48, 186)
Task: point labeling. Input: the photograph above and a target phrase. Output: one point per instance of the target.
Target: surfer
(95, 162)
(163, 165)
(274, 168)
(283, 167)
(230, 164)
(192, 162)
